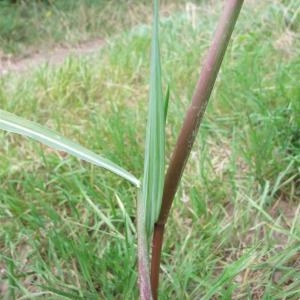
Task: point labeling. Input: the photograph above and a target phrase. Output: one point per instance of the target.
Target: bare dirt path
(54, 56)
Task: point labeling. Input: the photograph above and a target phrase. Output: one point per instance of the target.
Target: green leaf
(167, 98)
(13, 123)
(154, 165)
(230, 271)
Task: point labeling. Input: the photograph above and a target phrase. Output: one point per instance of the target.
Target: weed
(53, 241)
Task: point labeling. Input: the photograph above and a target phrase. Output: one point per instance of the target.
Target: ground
(234, 229)
(55, 56)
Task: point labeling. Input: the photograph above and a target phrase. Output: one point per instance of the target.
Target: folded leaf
(154, 165)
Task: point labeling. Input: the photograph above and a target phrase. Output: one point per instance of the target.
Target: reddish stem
(190, 127)
(156, 253)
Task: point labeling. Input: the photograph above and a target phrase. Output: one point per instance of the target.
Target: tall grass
(65, 233)
(190, 127)
(154, 165)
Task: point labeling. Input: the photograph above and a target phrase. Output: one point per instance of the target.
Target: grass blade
(230, 272)
(149, 202)
(15, 124)
(167, 98)
(155, 137)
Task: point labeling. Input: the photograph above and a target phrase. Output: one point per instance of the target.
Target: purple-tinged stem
(190, 127)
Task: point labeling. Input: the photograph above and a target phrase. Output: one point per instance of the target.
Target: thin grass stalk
(190, 128)
(149, 202)
(143, 254)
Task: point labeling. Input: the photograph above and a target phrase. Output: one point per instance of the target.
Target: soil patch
(54, 56)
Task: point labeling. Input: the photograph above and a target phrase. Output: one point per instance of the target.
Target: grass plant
(67, 230)
(190, 127)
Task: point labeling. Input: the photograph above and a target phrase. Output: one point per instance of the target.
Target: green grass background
(234, 230)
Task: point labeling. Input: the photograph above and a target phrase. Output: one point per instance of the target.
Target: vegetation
(34, 25)
(67, 231)
(189, 130)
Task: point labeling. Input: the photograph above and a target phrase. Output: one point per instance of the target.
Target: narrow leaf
(155, 137)
(167, 98)
(13, 123)
(230, 272)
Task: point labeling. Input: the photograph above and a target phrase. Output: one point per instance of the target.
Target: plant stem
(157, 240)
(143, 257)
(149, 202)
(190, 127)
